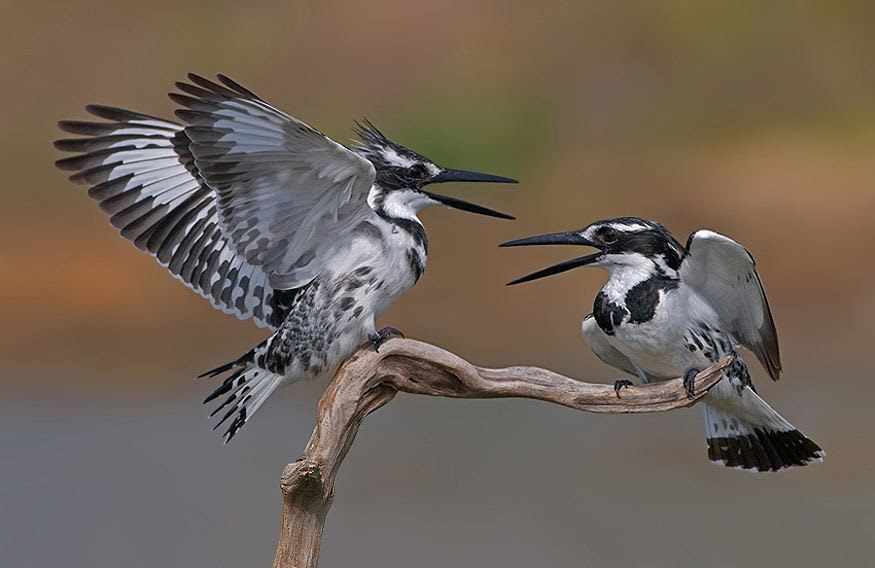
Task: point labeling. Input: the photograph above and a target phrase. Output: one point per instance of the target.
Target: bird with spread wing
(269, 220)
(669, 310)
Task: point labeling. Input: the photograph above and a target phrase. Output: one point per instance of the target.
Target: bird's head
(403, 174)
(623, 243)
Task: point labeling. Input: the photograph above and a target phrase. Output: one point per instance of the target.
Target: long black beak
(462, 175)
(566, 238)
(465, 176)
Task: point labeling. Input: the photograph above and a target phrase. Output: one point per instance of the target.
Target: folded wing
(595, 337)
(725, 274)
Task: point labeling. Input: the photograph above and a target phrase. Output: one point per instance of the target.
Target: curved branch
(368, 380)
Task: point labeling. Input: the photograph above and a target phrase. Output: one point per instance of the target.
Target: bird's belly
(658, 347)
(649, 347)
(333, 316)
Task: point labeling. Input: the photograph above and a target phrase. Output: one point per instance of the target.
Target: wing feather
(287, 195)
(243, 205)
(599, 344)
(725, 274)
(140, 173)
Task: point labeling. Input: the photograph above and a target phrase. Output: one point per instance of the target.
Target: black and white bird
(669, 310)
(269, 220)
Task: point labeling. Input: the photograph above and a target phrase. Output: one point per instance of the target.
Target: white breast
(394, 264)
(384, 248)
(658, 346)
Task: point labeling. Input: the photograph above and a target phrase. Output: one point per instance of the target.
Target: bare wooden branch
(368, 380)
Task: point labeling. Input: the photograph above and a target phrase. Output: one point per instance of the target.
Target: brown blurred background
(754, 119)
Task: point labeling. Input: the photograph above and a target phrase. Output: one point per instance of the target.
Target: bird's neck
(401, 215)
(632, 293)
(625, 276)
(621, 281)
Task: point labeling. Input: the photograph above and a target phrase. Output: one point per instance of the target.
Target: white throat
(626, 271)
(398, 204)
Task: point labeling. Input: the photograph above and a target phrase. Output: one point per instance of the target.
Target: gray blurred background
(755, 120)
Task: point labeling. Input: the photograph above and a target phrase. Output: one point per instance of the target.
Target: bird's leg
(689, 381)
(621, 384)
(384, 335)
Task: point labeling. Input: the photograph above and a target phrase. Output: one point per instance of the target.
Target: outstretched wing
(141, 172)
(725, 274)
(597, 341)
(287, 195)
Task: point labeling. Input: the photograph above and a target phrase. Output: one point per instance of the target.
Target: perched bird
(269, 220)
(669, 310)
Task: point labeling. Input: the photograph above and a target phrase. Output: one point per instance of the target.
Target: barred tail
(746, 433)
(247, 386)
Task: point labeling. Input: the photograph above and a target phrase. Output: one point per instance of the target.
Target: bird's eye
(609, 235)
(418, 171)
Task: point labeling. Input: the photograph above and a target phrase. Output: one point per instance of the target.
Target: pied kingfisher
(669, 310)
(269, 220)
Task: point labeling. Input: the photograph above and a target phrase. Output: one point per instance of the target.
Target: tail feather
(249, 386)
(746, 433)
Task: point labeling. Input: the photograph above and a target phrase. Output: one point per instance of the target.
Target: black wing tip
(234, 85)
(202, 90)
(105, 111)
(80, 127)
(185, 100)
(195, 78)
(65, 144)
(67, 164)
(226, 87)
(187, 115)
(118, 114)
(205, 83)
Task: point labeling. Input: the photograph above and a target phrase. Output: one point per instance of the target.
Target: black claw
(689, 382)
(621, 384)
(383, 336)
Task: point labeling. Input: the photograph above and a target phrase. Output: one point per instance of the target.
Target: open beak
(566, 238)
(462, 175)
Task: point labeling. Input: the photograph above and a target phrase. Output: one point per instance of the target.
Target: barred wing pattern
(725, 274)
(141, 172)
(287, 195)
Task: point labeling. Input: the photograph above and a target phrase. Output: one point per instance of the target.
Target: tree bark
(368, 380)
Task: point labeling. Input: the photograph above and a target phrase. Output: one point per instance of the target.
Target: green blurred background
(755, 119)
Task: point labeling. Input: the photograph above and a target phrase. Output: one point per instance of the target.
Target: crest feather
(369, 134)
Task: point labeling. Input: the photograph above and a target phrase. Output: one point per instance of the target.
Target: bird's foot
(689, 382)
(383, 336)
(621, 384)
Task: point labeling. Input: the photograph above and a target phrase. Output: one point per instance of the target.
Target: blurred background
(754, 119)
